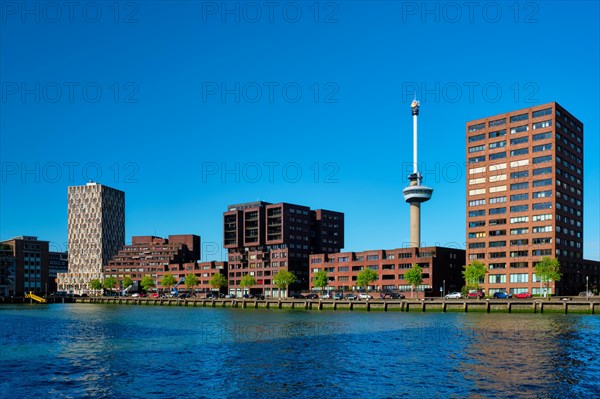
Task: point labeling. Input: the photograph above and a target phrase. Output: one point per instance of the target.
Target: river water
(119, 351)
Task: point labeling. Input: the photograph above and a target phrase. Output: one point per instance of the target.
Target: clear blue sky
(161, 101)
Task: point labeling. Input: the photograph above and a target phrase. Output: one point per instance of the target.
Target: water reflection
(121, 351)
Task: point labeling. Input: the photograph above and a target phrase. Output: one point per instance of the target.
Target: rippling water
(112, 351)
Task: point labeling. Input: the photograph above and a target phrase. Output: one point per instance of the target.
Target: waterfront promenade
(554, 305)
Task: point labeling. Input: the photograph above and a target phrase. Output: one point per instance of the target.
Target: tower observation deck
(415, 193)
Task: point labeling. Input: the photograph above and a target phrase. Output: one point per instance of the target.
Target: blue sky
(189, 106)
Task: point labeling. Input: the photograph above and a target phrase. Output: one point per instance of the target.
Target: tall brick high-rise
(263, 238)
(525, 197)
(96, 222)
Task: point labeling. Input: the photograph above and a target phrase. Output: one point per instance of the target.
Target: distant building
(7, 270)
(525, 198)
(442, 269)
(264, 238)
(96, 222)
(31, 259)
(58, 263)
(152, 256)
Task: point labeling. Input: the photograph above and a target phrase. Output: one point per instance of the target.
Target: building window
(541, 125)
(478, 159)
(477, 202)
(519, 129)
(519, 175)
(477, 148)
(544, 182)
(480, 212)
(542, 171)
(498, 155)
(541, 229)
(519, 186)
(520, 117)
(519, 208)
(543, 147)
(498, 144)
(474, 128)
(477, 224)
(495, 200)
(372, 257)
(497, 133)
(497, 278)
(497, 122)
(542, 217)
(519, 140)
(497, 211)
(545, 158)
(519, 278)
(522, 230)
(542, 136)
(520, 219)
(519, 197)
(475, 245)
(542, 194)
(520, 151)
(496, 244)
(542, 112)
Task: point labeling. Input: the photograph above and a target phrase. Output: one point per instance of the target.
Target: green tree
(96, 284)
(168, 280)
(218, 281)
(283, 279)
(414, 277)
(191, 280)
(321, 279)
(366, 277)
(147, 283)
(247, 281)
(127, 281)
(548, 269)
(473, 273)
(109, 283)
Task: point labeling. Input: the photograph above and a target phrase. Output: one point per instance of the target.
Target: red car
(523, 295)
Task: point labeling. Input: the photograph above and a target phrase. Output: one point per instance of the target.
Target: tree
(218, 281)
(414, 277)
(366, 277)
(127, 281)
(147, 283)
(96, 284)
(474, 273)
(191, 280)
(321, 279)
(168, 280)
(548, 269)
(247, 281)
(283, 279)
(109, 283)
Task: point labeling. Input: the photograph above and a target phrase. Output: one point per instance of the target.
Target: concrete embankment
(591, 306)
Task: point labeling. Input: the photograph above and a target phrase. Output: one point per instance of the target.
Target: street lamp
(587, 294)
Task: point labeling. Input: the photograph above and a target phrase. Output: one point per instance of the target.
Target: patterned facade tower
(96, 221)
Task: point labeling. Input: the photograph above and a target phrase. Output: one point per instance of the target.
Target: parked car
(475, 294)
(396, 295)
(327, 296)
(351, 297)
(586, 294)
(298, 296)
(502, 295)
(155, 295)
(135, 295)
(362, 295)
(338, 296)
(453, 295)
(312, 296)
(184, 295)
(523, 295)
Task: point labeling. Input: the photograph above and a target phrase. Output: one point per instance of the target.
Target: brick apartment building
(525, 198)
(263, 238)
(442, 269)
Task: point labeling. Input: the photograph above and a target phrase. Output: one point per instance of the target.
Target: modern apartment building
(442, 269)
(263, 238)
(30, 262)
(96, 223)
(153, 256)
(58, 262)
(204, 271)
(525, 197)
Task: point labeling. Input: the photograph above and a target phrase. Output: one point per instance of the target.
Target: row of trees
(546, 270)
